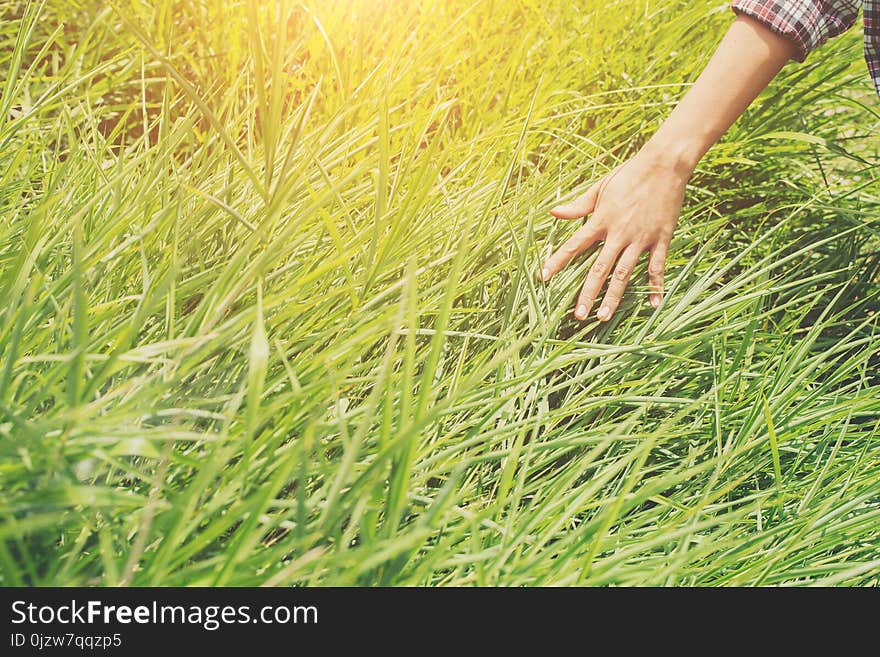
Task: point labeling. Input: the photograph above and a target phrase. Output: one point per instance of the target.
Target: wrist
(675, 155)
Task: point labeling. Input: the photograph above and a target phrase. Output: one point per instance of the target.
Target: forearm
(747, 59)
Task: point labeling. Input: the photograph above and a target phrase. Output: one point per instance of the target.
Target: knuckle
(586, 232)
(655, 268)
(598, 219)
(621, 274)
(599, 268)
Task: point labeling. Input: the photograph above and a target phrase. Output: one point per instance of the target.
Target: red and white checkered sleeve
(809, 23)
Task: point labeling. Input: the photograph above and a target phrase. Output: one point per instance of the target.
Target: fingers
(580, 207)
(619, 279)
(656, 267)
(595, 279)
(583, 238)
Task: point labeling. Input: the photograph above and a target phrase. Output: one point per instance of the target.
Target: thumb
(579, 207)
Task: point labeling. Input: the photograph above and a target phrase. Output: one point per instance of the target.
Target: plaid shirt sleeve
(872, 39)
(808, 23)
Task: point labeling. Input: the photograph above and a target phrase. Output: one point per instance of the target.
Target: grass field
(269, 311)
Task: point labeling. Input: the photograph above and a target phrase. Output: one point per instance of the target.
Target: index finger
(583, 238)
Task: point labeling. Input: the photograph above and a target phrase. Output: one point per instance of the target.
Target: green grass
(269, 313)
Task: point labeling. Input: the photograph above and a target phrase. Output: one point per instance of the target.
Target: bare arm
(635, 208)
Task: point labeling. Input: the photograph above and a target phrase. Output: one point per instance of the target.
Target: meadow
(269, 312)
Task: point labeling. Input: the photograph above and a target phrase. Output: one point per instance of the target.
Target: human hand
(633, 209)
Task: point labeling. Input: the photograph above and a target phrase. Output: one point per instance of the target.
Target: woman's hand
(633, 209)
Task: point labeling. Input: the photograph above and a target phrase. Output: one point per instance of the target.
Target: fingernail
(581, 312)
(655, 300)
(545, 274)
(604, 313)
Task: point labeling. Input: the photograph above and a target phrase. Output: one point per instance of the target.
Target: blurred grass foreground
(268, 309)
